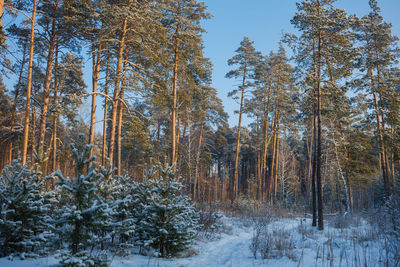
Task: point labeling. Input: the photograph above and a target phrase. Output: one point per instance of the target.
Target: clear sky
(263, 21)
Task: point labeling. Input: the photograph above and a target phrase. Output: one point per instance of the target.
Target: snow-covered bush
(23, 212)
(269, 243)
(260, 242)
(165, 219)
(83, 221)
(210, 223)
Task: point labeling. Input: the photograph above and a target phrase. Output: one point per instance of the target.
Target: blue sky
(263, 21)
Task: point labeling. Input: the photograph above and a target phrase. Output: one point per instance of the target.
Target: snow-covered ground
(298, 245)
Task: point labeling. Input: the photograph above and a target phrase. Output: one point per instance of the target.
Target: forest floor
(282, 241)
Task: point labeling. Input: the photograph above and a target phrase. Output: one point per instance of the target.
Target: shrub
(210, 223)
(271, 244)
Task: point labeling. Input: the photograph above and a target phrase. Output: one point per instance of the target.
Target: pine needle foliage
(165, 219)
(23, 212)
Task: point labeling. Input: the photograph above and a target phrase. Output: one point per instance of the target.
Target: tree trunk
(55, 115)
(34, 121)
(46, 86)
(178, 133)
(319, 133)
(158, 145)
(2, 33)
(235, 187)
(119, 123)
(196, 193)
(265, 142)
(174, 100)
(183, 140)
(272, 169)
(310, 148)
(116, 90)
(314, 170)
(96, 61)
(276, 159)
(105, 120)
(29, 85)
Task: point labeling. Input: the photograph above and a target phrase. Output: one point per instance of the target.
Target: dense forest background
(325, 105)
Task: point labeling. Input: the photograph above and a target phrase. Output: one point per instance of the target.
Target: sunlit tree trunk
(276, 158)
(235, 188)
(265, 142)
(178, 133)
(117, 90)
(34, 121)
(196, 193)
(105, 120)
(29, 85)
(174, 99)
(271, 173)
(46, 86)
(55, 115)
(119, 122)
(2, 38)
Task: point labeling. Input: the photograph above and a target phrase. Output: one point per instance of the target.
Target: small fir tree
(165, 220)
(23, 212)
(83, 222)
(121, 201)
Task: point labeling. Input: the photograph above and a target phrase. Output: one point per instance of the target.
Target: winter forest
(308, 175)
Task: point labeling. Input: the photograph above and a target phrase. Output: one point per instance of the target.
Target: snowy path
(229, 250)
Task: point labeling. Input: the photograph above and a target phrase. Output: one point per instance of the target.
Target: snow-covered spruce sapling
(24, 222)
(123, 206)
(165, 219)
(82, 220)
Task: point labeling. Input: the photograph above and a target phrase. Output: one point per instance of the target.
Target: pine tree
(24, 220)
(83, 216)
(324, 41)
(165, 219)
(117, 192)
(378, 56)
(246, 59)
(29, 85)
(182, 21)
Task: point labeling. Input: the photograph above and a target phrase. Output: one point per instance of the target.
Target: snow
(48, 261)
(331, 247)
